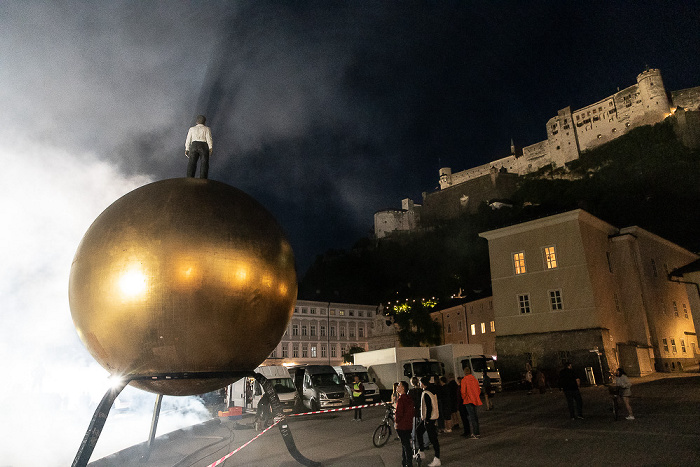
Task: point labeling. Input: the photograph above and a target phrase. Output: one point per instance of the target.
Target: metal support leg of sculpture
(154, 426)
(278, 413)
(97, 423)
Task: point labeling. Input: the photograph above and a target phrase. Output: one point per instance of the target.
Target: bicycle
(383, 432)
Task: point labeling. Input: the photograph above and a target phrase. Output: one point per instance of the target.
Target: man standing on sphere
(198, 144)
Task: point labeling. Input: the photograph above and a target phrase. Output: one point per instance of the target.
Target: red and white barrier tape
(341, 409)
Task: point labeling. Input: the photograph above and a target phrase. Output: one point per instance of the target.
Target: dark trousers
(358, 401)
(575, 403)
(406, 452)
(473, 418)
(198, 149)
(465, 419)
(429, 426)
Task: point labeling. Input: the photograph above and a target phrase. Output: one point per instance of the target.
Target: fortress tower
(653, 95)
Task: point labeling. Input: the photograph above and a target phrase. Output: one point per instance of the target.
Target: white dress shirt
(199, 132)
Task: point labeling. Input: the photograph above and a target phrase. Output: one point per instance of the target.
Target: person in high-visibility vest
(358, 397)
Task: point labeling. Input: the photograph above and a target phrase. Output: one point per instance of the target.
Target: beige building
(320, 332)
(470, 322)
(573, 287)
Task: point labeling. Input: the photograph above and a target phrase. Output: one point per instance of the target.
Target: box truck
(348, 373)
(320, 386)
(456, 356)
(387, 366)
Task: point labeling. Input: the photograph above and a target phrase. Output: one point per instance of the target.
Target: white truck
(246, 392)
(456, 356)
(348, 373)
(387, 366)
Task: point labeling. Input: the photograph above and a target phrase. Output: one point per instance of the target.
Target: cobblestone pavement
(522, 430)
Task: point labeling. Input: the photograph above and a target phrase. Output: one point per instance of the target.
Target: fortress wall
(510, 163)
(563, 141)
(689, 98)
(535, 155)
(392, 220)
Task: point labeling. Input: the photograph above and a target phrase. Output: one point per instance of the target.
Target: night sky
(324, 111)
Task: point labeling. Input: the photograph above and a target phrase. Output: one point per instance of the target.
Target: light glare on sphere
(182, 275)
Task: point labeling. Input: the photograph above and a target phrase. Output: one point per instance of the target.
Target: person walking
(358, 397)
(403, 422)
(488, 388)
(569, 383)
(198, 145)
(625, 386)
(471, 400)
(429, 413)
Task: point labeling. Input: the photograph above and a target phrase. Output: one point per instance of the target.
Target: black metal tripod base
(100, 417)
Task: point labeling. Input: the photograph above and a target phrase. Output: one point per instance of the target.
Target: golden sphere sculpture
(182, 275)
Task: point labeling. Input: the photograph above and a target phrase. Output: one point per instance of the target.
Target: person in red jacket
(471, 398)
(403, 418)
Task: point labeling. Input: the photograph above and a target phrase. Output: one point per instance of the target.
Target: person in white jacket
(198, 145)
(429, 414)
(625, 392)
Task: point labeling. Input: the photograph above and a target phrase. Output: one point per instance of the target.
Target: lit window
(332, 312)
(665, 345)
(524, 303)
(341, 312)
(519, 262)
(473, 326)
(295, 329)
(313, 351)
(493, 326)
(550, 257)
(483, 328)
(555, 299)
(673, 345)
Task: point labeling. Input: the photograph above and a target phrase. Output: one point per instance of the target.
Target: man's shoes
(579, 417)
(630, 417)
(474, 436)
(435, 463)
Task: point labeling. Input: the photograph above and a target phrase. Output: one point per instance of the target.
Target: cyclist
(404, 422)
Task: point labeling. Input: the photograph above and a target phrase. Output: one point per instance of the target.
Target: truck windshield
(421, 369)
(325, 379)
(283, 385)
(481, 364)
(350, 377)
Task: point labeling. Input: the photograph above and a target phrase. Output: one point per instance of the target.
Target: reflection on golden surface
(182, 275)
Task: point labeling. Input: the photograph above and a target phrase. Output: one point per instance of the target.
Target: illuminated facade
(320, 332)
(570, 286)
(471, 322)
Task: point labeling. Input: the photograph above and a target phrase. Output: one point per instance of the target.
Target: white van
(348, 373)
(246, 392)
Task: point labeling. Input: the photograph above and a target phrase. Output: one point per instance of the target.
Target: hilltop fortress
(569, 133)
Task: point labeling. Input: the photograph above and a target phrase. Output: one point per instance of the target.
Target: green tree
(416, 327)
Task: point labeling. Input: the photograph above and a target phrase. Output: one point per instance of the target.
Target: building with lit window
(573, 287)
(469, 322)
(321, 332)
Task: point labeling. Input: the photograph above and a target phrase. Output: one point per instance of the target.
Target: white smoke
(51, 385)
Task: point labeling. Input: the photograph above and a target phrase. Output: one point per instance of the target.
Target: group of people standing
(427, 408)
